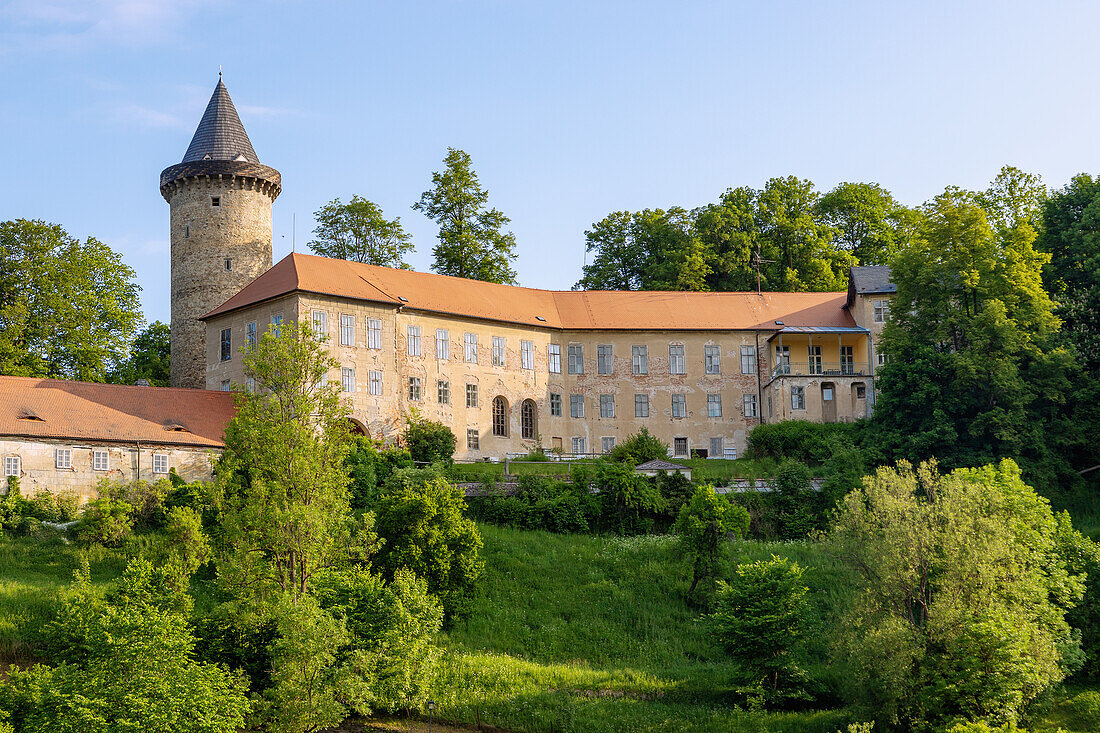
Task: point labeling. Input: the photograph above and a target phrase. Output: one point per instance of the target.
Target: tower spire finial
(219, 71)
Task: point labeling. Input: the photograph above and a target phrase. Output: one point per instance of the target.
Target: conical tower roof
(220, 134)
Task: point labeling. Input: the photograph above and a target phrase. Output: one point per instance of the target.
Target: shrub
(702, 525)
(104, 522)
(429, 441)
(639, 448)
(370, 465)
(799, 440)
(796, 503)
(146, 499)
(631, 502)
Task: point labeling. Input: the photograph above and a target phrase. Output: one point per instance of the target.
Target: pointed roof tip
(220, 134)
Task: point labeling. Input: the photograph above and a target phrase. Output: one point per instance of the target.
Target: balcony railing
(820, 369)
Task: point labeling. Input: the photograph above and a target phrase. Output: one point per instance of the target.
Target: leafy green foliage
(631, 502)
(759, 619)
(420, 518)
(150, 358)
(471, 243)
(702, 525)
(429, 441)
(358, 231)
(371, 464)
(868, 222)
(68, 309)
(105, 522)
(639, 448)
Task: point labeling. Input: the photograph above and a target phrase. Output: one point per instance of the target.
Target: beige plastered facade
(840, 389)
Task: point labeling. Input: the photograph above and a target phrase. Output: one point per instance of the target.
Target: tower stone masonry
(220, 198)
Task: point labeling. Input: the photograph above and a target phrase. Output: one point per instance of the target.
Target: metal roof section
(659, 464)
(220, 134)
(818, 330)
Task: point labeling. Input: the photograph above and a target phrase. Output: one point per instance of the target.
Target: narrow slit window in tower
(186, 231)
(215, 200)
(228, 264)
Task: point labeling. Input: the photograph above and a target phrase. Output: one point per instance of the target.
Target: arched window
(528, 420)
(500, 417)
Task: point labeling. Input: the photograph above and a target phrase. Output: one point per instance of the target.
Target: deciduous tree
(358, 231)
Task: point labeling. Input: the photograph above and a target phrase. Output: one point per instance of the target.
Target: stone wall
(38, 471)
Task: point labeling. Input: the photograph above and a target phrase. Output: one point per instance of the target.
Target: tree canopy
(359, 232)
(150, 358)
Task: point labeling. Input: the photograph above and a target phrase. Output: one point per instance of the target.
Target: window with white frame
(714, 405)
(473, 439)
(250, 334)
(576, 405)
(748, 360)
(679, 405)
(324, 382)
(749, 403)
(578, 446)
(641, 405)
(442, 344)
(676, 361)
(847, 360)
(160, 463)
(783, 359)
(471, 395)
(443, 392)
(277, 324)
(607, 444)
(880, 357)
(320, 323)
(227, 344)
(605, 359)
(413, 342)
(375, 379)
(881, 311)
(553, 358)
(607, 405)
(798, 398)
(12, 466)
(555, 404)
(729, 452)
(715, 448)
(498, 351)
(576, 359)
(347, 330)
(679, 446)
(414, 388)
(100, 460)
(374, 333)
(712, 358)
(347, 379)
(471, 347)
(639, 359)
(814, 355)
(527, 354)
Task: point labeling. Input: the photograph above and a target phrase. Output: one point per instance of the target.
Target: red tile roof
(568, 309)
(58, 409)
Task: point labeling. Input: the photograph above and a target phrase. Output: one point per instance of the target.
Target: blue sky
(569, 110)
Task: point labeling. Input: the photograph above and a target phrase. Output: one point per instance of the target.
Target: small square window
(861, 392)
(227, 386)
(473, 439)
(215, 200)
(607, 444)
(100, 460)
(680, 446)
(160, 463)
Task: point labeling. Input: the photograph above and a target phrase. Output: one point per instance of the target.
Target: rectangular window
(714, 405)
(555, 404)
(414, 388)
(553, 357)
(100, 460)
(605, 359)
(374, 333)
(320, 323)
(882, 310)
(227, 344)
(413, 342)
(712, 356)
(715, 448)
(443, 392)
(442, 344)
(748, 360)
(63, 458)
(498, 351)
(576, 359)
(749, 402)
(576, 405)
(471, 395)
(277, 324)
(639, 359)
(641, 405)
(250, 334)
(347, 330)
(11, 466)
(473, 439)
(679, 446)
(861, 392)
(250, 384)
(607, 444)
(679, 405)
(375, 382)
(814, 356)
(730, 453)
(215, 200)
(798, 398)
(555, 444)
(160, 463)
(347, 379)
(607, 405)
(881, 358)
(527, 354)
(847, 360)
(578, 446)
(676, 363)
(471, 348)
(227, 387)
(782, 359)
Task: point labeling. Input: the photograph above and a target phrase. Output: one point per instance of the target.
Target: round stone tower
(221, 199)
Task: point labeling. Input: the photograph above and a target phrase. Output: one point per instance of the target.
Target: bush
(702, 525)
(632, 503)
(797, 504)
(146, 500)
(800, 440)
(428, 441)
(104, 522)
(370, 465)
(639, 448)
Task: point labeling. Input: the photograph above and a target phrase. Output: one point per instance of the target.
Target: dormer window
(207, 157)
(215, 200)
(241, 158)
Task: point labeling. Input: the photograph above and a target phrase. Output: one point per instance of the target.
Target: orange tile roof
(58, 409)
(564, 309)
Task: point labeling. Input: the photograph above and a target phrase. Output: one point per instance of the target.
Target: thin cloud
(149, 118)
